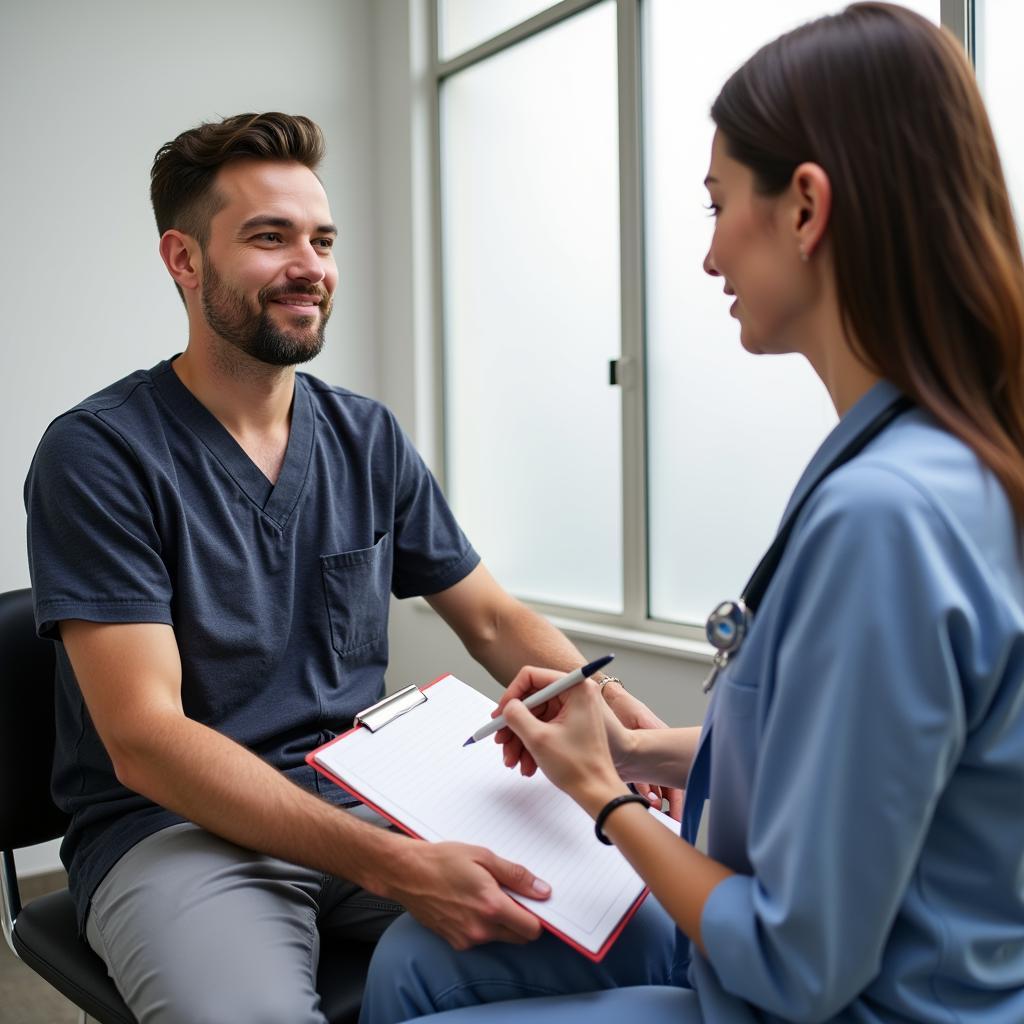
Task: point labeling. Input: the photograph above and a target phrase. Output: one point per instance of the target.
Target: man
(212, 544)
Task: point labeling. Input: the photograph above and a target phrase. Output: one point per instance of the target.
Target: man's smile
(304, 305)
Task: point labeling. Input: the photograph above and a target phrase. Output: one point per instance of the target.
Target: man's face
(268, 269)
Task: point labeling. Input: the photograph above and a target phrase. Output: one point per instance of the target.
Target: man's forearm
(522, 637)
(212, 781)
(499, 631)
(452, 888)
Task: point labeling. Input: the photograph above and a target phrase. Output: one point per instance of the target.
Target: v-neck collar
(276, 501)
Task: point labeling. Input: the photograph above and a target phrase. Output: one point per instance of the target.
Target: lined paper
(417, 771)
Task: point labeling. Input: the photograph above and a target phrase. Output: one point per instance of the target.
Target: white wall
(88, 92)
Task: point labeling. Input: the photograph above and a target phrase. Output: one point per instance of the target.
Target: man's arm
(503, 634)
(130, 677)
(500, 631)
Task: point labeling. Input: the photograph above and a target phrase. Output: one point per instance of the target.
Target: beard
(253, 331)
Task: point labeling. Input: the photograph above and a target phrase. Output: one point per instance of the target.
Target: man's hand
(454, 889)
(634, 714)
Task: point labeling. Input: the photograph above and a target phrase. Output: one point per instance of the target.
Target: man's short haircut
(181, 181)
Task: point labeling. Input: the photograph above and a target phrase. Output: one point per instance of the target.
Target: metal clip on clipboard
(387, 710)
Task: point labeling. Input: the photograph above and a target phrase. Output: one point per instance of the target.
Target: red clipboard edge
(589, 954)
(314, 764)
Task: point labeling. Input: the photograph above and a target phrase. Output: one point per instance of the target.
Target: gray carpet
(24, 997)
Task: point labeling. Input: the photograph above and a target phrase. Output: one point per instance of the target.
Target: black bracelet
(602, 817)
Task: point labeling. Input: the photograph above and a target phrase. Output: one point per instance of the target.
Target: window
(531, 255)
(609, 447)
(999, 28)
(466, 23)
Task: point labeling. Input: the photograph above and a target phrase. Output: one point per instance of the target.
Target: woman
(864, 750)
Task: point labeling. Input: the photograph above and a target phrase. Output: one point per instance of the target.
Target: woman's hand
(623, 714)
(634, 714)
(571, 746)
(530, 680)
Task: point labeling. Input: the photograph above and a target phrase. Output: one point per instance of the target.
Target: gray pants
(194, 929)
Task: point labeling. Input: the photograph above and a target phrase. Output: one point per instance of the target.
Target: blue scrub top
(864, 753)
(143, 508)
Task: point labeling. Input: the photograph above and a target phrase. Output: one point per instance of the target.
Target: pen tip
(468, 742)
(596, 664)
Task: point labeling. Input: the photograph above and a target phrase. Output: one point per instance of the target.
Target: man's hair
(182, 179)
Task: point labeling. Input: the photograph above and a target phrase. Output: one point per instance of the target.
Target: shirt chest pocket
(357, 586)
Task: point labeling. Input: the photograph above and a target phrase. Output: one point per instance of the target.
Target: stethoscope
(728, 625)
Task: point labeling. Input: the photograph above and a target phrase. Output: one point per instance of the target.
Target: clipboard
(405, 759)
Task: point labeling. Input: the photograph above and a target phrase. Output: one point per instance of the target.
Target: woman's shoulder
(919, 486)
(915, 465)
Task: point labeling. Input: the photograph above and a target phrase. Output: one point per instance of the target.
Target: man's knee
(258, 1004)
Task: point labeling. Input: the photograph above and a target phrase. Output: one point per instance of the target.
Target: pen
(549, 691)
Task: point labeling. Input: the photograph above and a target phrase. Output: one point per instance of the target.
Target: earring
(803, 254)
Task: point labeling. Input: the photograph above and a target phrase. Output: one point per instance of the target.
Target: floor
(24, 997)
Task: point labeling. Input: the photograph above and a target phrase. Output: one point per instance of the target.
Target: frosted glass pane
(999, 28)
(728, 433)
(465, 23)
(531, 238)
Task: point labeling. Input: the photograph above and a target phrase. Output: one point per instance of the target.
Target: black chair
(43, 934)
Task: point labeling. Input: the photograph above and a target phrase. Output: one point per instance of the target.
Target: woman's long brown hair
(926, 252)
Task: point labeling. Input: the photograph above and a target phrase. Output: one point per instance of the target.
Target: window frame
(634, 626)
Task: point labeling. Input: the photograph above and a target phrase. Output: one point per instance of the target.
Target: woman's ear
(812, 205)
(180, 255)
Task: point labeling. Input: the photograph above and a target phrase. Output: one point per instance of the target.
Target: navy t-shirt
(143, 508)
